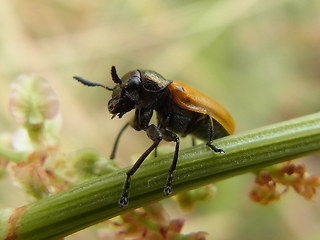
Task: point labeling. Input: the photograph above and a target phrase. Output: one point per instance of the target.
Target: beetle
(181, 110)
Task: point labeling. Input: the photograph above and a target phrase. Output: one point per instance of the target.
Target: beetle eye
(116, 92)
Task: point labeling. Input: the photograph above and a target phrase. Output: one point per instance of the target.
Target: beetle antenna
(115, 77)
(91, 84)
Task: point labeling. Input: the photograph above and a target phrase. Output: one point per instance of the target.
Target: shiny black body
(185, 122)
(147, 92)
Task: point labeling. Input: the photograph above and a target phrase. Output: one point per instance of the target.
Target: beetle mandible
(181, 110)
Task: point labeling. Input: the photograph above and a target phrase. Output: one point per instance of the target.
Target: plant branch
(97, 199)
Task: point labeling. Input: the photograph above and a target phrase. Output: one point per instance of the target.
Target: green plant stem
(97, 199)
(12, 155)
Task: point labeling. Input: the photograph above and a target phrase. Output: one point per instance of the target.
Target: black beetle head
(125, 95)
(129, 89)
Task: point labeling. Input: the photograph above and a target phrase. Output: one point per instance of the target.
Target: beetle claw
(123, 202)
(121, 114)
(167, 190)
(219, 150)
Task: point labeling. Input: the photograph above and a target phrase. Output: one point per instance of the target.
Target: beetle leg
(211, 135)
(115, 146)
(171, 137)
(153, 133)
(155, 152)
(193, 141)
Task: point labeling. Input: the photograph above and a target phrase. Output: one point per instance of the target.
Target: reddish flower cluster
(149, 223)
(35, 178)
(275, 181)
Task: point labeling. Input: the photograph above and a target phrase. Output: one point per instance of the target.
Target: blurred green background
(260, 59)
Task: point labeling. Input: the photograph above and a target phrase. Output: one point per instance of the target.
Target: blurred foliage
(259, 59)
